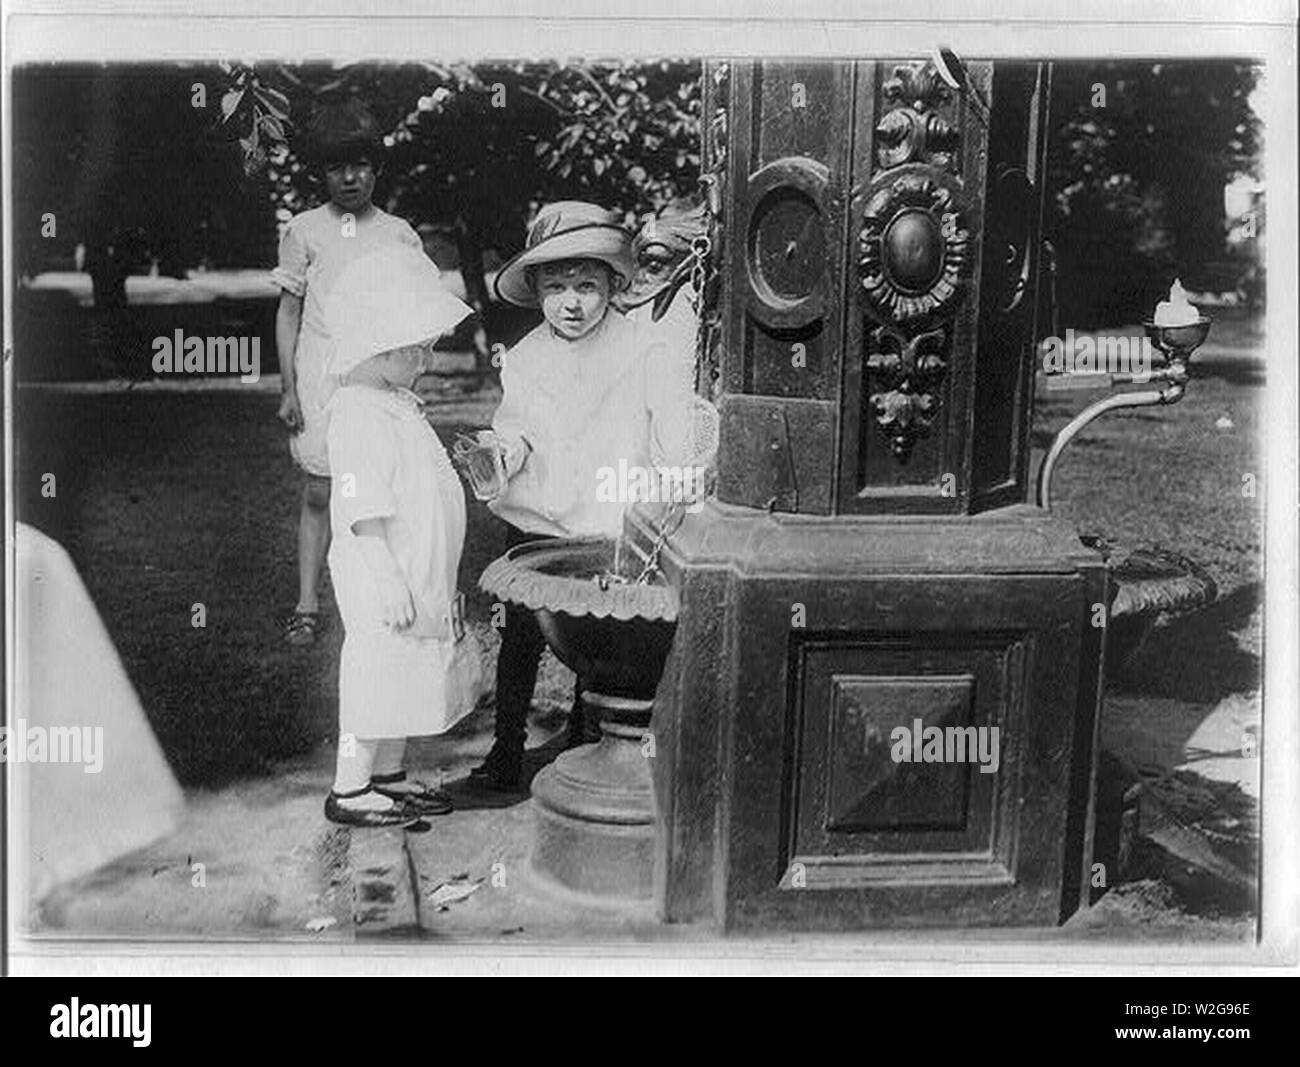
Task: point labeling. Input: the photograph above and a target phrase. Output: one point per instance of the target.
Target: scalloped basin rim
(557, 575)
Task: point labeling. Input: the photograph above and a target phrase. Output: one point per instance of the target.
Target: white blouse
(617, 394)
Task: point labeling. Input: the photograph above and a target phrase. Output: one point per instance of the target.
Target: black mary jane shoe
(502, 769)
(423, 800)
(400, 814)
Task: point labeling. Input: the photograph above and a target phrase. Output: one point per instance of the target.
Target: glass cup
(482, 460)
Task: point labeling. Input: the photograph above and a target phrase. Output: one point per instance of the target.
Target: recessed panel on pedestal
(869, 800)
(869, 790)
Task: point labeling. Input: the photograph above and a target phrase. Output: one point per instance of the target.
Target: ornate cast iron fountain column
(870, 559)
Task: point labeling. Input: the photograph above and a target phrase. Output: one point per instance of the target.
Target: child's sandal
(421, 797)
(302, 628)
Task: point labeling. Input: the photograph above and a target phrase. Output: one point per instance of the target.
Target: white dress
(316, 247)
(70, 818)
(387, 462)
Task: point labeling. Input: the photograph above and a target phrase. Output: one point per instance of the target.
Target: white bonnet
(388, 298)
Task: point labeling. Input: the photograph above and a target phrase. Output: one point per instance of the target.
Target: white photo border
(1190, 29)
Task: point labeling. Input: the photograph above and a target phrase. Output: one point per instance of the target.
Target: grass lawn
(1182, 477)
(168, 500)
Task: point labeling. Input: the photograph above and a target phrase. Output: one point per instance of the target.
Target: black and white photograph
(665, 488)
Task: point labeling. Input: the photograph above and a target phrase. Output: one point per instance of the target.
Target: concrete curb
(384, 899)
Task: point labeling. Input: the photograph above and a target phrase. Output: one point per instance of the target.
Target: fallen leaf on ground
(450, 892)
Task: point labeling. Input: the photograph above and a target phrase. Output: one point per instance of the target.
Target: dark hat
(569, 229)
(343, 132)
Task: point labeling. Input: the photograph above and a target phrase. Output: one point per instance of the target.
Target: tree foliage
(1138, 158)
(133, 156)
(477, 148)
(474, 149)
(124, 154)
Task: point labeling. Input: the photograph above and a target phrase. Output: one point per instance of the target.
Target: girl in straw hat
(397, 513)
(577, 400)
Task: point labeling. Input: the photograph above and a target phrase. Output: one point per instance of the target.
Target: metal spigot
(1177, 343)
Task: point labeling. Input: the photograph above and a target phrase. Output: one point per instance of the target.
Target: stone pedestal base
(594, 809)
(805, 649)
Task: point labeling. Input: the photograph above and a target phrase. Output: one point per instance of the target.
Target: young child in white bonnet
(397, 514)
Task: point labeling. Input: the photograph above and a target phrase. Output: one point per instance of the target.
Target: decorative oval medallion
(912, 248)
(912, 251)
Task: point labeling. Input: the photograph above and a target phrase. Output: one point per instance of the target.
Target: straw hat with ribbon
(569, 229)
(389, 298)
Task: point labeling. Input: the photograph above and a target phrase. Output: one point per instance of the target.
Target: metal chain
(700, 248)
(665, 531)
(675, 514)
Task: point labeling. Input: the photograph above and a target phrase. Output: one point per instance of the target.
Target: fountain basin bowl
(614, 635)
(1149, 581)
